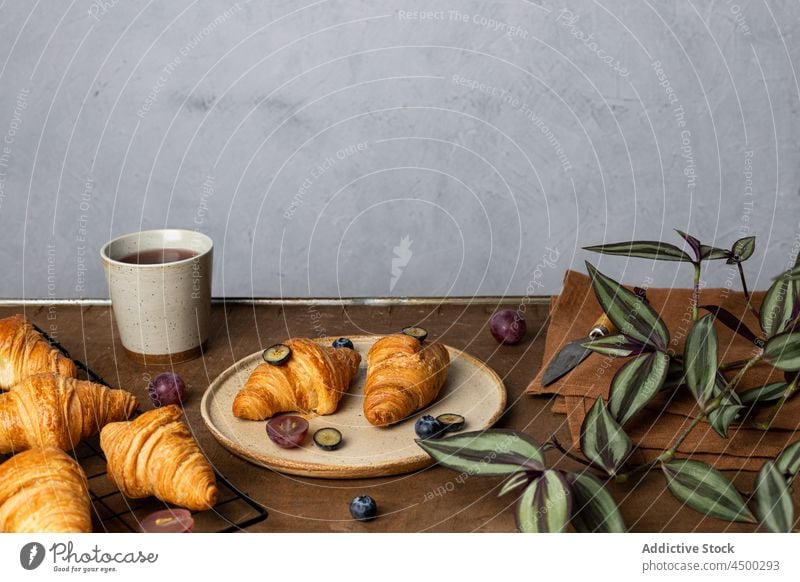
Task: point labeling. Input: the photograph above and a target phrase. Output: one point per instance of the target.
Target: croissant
(44, 491)
(48, 410)
(313, 381)
(23, 352)
(403, 375)
(155, 454)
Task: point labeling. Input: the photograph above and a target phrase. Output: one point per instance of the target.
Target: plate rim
(318, 470)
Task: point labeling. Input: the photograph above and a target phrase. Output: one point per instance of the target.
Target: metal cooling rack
(235, 510)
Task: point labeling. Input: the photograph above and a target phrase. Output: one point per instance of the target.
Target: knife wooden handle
(602, 327)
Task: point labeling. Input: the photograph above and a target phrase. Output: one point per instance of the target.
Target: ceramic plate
(472, 389)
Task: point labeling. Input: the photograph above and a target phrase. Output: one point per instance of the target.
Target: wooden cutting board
(472, 389)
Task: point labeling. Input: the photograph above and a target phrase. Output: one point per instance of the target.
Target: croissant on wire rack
(48, 410)
(23, 352)
(313, 380)
(44, 491)
(155, 454)
(403, 375)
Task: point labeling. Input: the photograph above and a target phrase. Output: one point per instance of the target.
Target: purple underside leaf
(732, 322)
(693, 242)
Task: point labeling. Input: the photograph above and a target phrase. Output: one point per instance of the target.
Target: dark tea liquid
(158, 256)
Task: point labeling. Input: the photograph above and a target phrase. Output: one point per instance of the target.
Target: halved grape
(165, 389)
(277, 354)
(287, 431)
(168, 521)
(418, 332)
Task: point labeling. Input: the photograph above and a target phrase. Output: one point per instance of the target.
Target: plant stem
(560, 448)
(734, 365)
(696, 290)
(668, 454)
(750, 306)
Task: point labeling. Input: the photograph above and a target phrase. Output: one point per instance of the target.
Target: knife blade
(573, 353)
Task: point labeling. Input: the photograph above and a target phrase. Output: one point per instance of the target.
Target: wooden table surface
(428, 500)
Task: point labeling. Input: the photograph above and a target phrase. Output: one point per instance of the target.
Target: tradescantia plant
(549, 498)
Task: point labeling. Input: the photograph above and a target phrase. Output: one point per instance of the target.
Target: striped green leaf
(593, 508)
(728, 411)
(764, 394)
(708, 253)
(788, 461)
(783, 351)
(706, 490)
(793, 273)
(779, 305)
(700, 359)
(603, 441)
(723, 416)
(636, 383)
(514, 482)
(545, 505)
(743, 249)
(774, 505)
(490, 452)
(615, 345)
(631, 316)
(643, 249)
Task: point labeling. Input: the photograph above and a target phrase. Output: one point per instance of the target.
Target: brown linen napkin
(572, 315)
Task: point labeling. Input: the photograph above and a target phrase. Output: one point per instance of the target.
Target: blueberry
(363, 508)
(428, 427)
(343, 342)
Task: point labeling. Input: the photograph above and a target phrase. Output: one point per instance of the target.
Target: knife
(574, 353)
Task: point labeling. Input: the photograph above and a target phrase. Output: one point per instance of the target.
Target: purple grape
(165, 389)
(508, 327)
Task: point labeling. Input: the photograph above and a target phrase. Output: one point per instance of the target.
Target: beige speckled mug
(160, 287)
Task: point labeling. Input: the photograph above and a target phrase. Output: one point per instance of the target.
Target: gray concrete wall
(364, 148)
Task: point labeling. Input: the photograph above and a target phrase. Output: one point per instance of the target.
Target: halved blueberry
(328, 439)
(417, 332)
(451, 422)
(277, 354)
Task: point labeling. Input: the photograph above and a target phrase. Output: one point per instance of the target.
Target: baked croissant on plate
(313, 380)
(48, 410)
(44, 491)
(155, 454)
(403, 375)
(23, 352)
